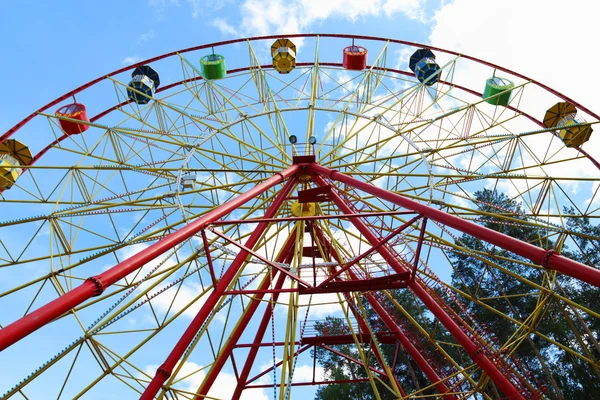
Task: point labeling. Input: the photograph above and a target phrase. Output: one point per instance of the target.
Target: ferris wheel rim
(299, 64)
(91, 83)
(109, 110)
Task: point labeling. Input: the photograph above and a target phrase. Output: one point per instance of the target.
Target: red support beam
(431, 374)
(260, 333)
(307, 218)
(356, 361)
(261, 258)
(546, 258)
(369, 251)
(412, 350)
(361, 320)
(94, 286)
(335, 382)
(166, 369)
(418, 251)
(243, 322)
(473, 349)
(278, 364)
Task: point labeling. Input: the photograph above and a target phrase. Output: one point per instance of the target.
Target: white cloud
(304, 373)
(144, 37)
(222, 388)
(131, 60)
(225, 28)
(175, 298)
(160, 6)
(264, 17)
(529, 37)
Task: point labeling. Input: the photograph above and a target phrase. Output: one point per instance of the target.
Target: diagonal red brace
(472, 348)
(94, 286)
(546, 258)
(210, 303)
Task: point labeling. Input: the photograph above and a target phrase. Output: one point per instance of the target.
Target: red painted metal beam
(216, 367)
(356, 361)
(95, 285)
(255, 346)
(383, 337)
(370, 250)
(546, 258)
(278, 364)
(431, 374)
(472, 348)
(412, 350)
(396, 281)
(166, 369)
(335, 382)
(364, 337)
(307, 218)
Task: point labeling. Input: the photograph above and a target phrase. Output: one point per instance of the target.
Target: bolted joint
(476, 353)
(97, 284)
(162, 371)
(549, 254)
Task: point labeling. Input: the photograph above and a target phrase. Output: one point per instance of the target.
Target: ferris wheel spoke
(161, 157)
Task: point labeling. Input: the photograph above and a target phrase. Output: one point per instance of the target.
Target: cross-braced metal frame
(168, 258)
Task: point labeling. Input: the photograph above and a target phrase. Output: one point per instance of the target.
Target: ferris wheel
(200, 224)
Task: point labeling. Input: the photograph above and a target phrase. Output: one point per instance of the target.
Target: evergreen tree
(565, 375)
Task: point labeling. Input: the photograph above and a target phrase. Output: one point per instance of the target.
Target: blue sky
(49, 49)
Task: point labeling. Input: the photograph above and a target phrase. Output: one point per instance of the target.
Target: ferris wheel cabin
(355, 58)
(72, 111)
(572, 128)
(213, 66)
(144, 82)
(423, 64)
(498, 91)
(284, 55)
(13, 154)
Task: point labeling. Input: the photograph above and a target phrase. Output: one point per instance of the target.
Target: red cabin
(355, 58)
(73, 111)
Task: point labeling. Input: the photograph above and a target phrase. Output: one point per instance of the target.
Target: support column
(260, 333)
(410, 348)
(431, 374)
(473, 349)
(166, 369)
(243, 322)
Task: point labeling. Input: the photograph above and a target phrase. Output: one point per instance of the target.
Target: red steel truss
(448, 379)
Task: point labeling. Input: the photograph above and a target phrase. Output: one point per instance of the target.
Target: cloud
(144, 37)
(222, 25)
(131, 60)
(264, 17)
(160, 7)
(533, 48)
(175, 298)
(222, 388)
(304, 373)
(530, 50)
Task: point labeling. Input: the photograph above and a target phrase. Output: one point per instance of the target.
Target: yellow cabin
(13, 154)
(572, 129)
(284, 55)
